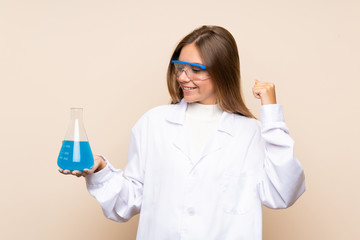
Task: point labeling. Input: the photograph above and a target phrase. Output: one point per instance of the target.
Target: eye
(179, 67)
(196, 70)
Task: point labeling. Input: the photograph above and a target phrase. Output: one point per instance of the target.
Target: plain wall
(110, 57)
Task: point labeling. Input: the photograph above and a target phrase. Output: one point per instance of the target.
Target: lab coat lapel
(182, 142)
(177, 117)
(222, 135)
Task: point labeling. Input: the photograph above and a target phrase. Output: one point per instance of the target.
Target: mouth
(188, 88)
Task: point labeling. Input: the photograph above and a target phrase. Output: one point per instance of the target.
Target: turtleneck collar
(202, 111)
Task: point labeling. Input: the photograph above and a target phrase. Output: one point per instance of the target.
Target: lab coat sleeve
(281, 179)
(120, 192)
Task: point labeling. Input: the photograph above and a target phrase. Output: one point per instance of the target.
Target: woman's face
(202, 91)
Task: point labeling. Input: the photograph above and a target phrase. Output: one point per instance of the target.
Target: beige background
(110, 57)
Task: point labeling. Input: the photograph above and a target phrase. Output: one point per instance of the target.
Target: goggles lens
(194, 71)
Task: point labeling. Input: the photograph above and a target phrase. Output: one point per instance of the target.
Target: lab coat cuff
(100, 176)
(271, 113)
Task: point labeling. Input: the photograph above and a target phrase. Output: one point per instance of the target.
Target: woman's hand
(99, 164)
(264, 91)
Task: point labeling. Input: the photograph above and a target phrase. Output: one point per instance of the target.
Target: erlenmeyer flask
(75, 153)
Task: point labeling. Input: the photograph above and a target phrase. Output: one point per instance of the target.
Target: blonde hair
(219, 53)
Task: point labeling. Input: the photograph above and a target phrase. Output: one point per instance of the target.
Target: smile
(189, 88)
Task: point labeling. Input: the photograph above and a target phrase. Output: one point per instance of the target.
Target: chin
(190, 100)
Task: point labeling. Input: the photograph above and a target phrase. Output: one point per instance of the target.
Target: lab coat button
(191, 211)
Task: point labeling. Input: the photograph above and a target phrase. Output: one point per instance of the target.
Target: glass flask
(75, 153)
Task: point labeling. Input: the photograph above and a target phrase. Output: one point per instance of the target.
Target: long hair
(218, 50)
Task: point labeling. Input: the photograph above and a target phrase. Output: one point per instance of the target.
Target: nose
(183, 77)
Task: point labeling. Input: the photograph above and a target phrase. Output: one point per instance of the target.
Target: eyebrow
(189, 63)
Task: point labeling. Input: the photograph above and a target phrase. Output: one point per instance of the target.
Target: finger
(258, 88)
(265, 89)
(77, 173)
(256, 93)
(260, 83)
(257, 82)
(87, 171)
(267, 85)
(66, 172)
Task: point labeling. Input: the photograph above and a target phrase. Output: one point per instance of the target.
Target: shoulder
(160, 111)
(251, 128)
(239, 125)
(248, 122)
(157, 114)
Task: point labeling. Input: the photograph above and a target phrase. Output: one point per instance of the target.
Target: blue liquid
(75, 156)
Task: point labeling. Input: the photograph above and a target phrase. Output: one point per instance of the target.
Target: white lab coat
(245, 163)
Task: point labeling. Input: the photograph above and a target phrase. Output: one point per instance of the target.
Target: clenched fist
(264, 91)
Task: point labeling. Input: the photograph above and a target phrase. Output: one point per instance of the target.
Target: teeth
(189, 88)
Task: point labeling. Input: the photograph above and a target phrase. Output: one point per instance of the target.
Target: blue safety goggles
(194, 71)
(189, 63)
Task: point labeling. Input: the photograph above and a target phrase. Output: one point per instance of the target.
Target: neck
(199, 110)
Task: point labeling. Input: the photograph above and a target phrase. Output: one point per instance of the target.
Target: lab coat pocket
(239, 195)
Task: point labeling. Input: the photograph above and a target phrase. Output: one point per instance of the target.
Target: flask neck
(76, 113)
(76, 129)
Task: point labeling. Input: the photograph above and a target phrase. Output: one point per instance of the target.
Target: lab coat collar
(227, 123)
(177, 115)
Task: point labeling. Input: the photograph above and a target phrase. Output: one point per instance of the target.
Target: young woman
(201, 167)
